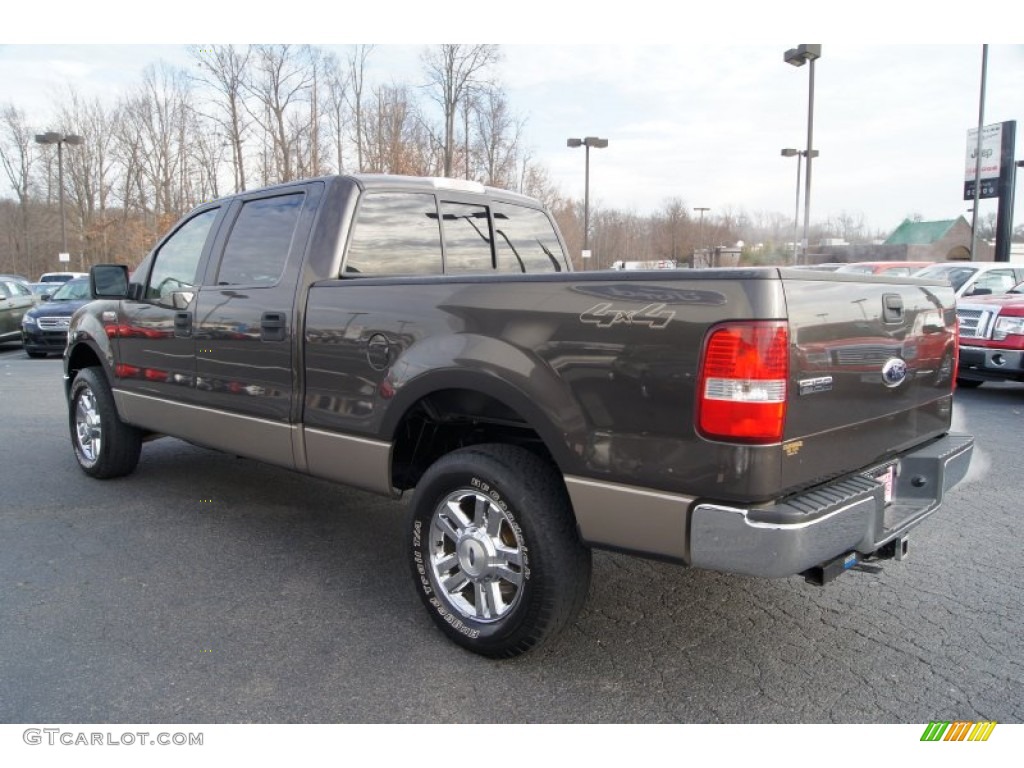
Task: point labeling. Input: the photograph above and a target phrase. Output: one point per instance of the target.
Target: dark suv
(44, 328)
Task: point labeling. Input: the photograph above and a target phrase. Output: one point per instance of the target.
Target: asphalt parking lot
(210, 589)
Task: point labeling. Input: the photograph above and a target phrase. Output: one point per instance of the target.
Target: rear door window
(395, 233)
(467, 238)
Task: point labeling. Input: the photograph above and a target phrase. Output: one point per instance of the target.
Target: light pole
(806, 52)
(700, 231)
(799, 154)
(60, 139)
(588, 142)
(977, 156)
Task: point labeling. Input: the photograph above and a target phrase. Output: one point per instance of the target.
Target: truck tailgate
(871, 370)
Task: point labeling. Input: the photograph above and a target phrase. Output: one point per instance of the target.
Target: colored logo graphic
(960, 730)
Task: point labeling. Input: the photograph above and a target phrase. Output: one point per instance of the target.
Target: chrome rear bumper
(816, 526)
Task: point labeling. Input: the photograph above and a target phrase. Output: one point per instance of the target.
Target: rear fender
(507, 373)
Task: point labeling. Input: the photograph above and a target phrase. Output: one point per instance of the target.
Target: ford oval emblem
(894, 372)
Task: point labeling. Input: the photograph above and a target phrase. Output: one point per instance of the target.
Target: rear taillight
(743, 382)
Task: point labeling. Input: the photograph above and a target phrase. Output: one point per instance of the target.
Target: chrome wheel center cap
(475, 551)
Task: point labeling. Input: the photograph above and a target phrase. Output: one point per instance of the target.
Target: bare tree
(357, 79)
(280, 78)
(224, 69)
(336, 107)
(452, 71)
(394, 135)
(157, 115)
(672, 231)
(92, 167)
(847, 225)
(498, 139)
(17, 158)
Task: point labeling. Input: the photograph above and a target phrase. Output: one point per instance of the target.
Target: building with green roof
(947, 240)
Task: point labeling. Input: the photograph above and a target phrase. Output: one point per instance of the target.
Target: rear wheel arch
(437, 420)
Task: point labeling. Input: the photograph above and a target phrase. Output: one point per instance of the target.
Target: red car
(890, 268)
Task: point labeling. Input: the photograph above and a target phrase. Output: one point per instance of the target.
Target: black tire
(968, 383)
(35, 355)
(104, 445)
(495, 554)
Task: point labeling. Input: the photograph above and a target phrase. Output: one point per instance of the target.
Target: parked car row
(990, 312)
(15, 300)
(38, 314)
(968, 278)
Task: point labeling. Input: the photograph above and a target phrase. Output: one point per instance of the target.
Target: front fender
(90, 342)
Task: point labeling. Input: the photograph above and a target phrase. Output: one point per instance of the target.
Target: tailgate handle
(273, 326)
(892, 308)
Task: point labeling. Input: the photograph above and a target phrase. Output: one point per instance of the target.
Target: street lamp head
(52, 137)
(810, 51)
(574, 143)
(596, 143)
(801, 54)
(789, 152)
(793, 57)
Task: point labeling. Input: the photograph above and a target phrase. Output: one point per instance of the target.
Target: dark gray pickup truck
(397, 333)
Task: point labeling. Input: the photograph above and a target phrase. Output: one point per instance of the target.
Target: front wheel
(495, 554)
(104, 445)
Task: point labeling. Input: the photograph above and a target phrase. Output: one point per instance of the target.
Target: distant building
(948, 240)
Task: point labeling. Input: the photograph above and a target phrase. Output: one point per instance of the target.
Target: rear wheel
(496, 557)
(35, 355)
(969, 383)
(104, 445)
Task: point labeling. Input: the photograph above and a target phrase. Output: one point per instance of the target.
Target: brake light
(743, 382)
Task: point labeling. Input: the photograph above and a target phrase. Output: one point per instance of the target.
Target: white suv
(60, 277)
(976, 278)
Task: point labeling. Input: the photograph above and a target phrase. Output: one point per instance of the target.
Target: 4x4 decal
(654, 316)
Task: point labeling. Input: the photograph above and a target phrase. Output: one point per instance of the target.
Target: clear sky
(895, 91)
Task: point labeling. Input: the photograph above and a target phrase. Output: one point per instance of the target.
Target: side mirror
(108, 281)
(182, 299)
(45, 297)
(980, 292)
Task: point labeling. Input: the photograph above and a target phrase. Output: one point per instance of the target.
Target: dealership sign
(991, 156)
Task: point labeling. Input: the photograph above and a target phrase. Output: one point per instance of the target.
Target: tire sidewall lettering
(420, 559)
(496, 497)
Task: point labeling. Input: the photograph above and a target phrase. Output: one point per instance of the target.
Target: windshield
(955, 274)
(72, 290)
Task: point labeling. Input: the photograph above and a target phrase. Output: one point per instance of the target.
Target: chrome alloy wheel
(88, 429)
(476, 556)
